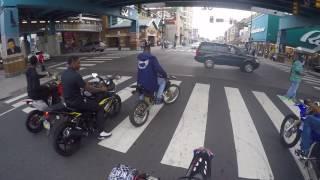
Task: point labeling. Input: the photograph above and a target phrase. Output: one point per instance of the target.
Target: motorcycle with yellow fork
(75, 125)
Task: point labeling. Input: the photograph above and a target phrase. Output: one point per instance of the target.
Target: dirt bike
(68, 133)
(290, 134)
(140, 113)
(199, 169)
(36, 120)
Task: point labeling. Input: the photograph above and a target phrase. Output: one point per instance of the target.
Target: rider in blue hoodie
(151, 76)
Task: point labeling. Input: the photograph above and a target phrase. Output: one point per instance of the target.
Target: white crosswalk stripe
(251, 160)
(251, 157)
(125, 134)
(190, 132)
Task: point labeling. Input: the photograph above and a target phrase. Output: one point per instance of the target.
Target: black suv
(223, 54)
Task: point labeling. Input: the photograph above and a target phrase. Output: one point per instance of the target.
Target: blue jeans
(162, 84)
(312, 123)
(291, 93)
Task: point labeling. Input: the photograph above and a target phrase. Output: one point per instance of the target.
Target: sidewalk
(11, 86)
(268, 61)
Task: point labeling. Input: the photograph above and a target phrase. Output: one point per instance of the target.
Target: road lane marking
(317, 88)
(64, 68)
(28, 109)
(105, 59)
(18, 104)
(125, 134)
(290, 104)
(92, 61)
(7, 111)
(87, 65)
(251, 157)
(190, 133)
(16, 98)
(276, 118)
(57, 65)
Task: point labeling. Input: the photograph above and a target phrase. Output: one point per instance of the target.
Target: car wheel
(248, 67)
(209, 64)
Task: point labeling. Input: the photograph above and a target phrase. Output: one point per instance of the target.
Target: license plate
(46, 125)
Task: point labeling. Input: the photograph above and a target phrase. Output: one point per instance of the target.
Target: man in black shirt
(35, 90)
(72, 82)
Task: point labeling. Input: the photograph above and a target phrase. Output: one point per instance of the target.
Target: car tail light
(46, 115)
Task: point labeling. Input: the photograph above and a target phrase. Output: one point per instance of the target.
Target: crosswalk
(190, 132)
(182, 50)
(314, 81)
(87, 62)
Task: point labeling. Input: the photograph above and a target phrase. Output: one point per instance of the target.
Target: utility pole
(250, 42)
(162, 28)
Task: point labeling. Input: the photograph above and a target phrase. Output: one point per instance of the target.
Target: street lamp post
(162, 28)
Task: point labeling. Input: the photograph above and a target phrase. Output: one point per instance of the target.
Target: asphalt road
(232, 113)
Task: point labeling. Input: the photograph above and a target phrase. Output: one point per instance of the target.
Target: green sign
(306, 39)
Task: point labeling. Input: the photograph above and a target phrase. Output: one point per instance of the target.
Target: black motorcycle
(68, 133)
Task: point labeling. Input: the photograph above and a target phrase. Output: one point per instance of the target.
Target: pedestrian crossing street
(87, 62)
(309, 79)
(190, 133)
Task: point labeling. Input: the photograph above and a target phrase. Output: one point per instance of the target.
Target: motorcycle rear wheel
(33, 122)
(288, 120)
(116, 106)
(140, 114)
(64, 145)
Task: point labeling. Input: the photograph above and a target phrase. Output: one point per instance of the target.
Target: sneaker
(104, 135)
(301, 154)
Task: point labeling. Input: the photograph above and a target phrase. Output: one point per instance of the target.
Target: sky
(212, 30)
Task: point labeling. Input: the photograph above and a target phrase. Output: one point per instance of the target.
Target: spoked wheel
(171, 94)
(65, 144)
(116, 106)
(289, 132)
(34, 121)
(140, 114)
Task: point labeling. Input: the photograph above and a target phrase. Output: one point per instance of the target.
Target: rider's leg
(162, 85)
(290, 90)
(92, 105)
(312, 123)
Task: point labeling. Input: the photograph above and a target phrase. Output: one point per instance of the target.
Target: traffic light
(211, 19)
(295, 7)
(317, 3)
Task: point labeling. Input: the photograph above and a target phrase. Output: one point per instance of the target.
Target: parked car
(37, 52)
(222, 54)
(93, 46)
(195, 45)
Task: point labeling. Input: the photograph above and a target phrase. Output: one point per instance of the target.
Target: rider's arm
(158, 68)
(93, 89)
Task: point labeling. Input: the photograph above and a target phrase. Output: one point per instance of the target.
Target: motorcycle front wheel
(140, 114)
(171, 94)
(63, 142)
(289, 137)
(34, 121)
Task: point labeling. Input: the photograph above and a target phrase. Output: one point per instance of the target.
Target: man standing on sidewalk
(295, 76)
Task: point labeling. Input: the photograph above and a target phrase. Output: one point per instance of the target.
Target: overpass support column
(53, 46)
(13, 59)
(134, 35)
